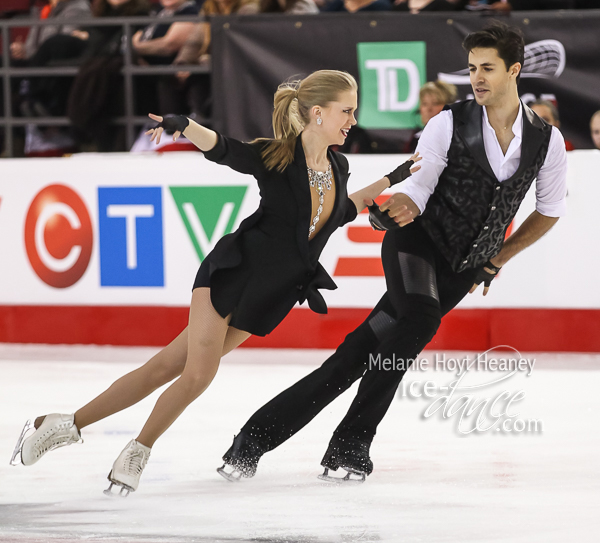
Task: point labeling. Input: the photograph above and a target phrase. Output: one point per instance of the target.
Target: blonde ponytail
(291, 112)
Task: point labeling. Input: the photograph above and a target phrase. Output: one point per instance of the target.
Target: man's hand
(485, 275)
(401, 208)
(532, 229)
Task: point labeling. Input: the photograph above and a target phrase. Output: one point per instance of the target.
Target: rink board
(104, 249)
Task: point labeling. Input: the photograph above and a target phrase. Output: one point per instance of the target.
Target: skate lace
(135, 462)
(53, 441)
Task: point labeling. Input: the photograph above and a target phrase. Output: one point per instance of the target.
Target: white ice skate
(128, 468)
(55, 431)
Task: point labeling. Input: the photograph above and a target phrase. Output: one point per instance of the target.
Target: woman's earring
(319, 121)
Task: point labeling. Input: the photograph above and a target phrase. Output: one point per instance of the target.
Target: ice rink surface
(431, 483)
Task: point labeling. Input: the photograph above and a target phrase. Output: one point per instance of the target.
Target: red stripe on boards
(545, 330)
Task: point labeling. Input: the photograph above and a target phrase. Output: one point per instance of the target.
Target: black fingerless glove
(381, 220)
(400, 173)
(174, 123)
(484, 276)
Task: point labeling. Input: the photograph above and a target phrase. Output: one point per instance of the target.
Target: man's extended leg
(422, 288)
(296, 406)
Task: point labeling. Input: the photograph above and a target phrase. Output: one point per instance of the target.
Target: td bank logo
(391, 74)
(208, 213)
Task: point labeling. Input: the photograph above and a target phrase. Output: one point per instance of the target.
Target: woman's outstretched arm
(364, 197)
(203, 138)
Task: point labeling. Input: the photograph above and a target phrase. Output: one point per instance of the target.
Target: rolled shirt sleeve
(433, 147)
(551, 183)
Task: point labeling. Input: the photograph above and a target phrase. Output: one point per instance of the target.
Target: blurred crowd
(95, 95)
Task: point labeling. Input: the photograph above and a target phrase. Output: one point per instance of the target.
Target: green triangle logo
(208, 213)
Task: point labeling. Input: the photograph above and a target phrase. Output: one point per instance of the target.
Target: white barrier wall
(131, 230)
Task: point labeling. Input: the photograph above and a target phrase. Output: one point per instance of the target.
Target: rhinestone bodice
(321, 181)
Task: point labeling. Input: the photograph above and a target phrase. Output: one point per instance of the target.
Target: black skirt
(262, 288)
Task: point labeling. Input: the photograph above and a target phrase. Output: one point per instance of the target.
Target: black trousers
(421, 288)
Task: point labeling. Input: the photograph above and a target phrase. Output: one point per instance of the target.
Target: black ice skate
(349, 454)
(241, 460)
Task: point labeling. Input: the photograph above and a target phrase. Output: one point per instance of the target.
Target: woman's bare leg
(136, 385)
(207, 331)
(233, 339)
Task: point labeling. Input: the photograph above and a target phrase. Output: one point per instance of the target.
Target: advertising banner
(392, 55)
(126, 231)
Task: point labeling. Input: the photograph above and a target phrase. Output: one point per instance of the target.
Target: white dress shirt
(551, 182)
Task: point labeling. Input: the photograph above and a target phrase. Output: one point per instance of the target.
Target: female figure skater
(254, 276)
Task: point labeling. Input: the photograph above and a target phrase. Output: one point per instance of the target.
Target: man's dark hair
(508, 41)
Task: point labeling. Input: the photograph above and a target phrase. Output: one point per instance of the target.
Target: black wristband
(174, 123)
(490, 266)
(400, 173)
(381, 220)
(486, 277)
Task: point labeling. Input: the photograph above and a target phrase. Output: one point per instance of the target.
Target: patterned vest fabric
(469, 211)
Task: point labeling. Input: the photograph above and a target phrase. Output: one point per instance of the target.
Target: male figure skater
(480, 157)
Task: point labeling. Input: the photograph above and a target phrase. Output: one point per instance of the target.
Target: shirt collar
(517, 127)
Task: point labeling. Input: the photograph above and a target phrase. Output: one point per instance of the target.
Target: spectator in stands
(595, 129)
(103, 40)
(353, 6)
(46, 96)
(193, 91)
(46, 45)
(58, 10)
(505, 6)
(199, 41)
(292, 7)
(416, 6)
(498, 6)
(160, 43)
(433, 96)
(96, 96)
(549, 112)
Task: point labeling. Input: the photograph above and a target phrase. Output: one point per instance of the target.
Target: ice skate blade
(233, 476)
(17, 452)
(119, 494)
(346, 480)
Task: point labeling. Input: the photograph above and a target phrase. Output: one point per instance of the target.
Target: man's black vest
(469, 211)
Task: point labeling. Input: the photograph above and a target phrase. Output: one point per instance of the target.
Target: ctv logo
(59, 236)
(391, 74)
(131, 236)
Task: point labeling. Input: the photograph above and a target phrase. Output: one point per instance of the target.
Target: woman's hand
(406, 169)
(415, 158)
(156, 133)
